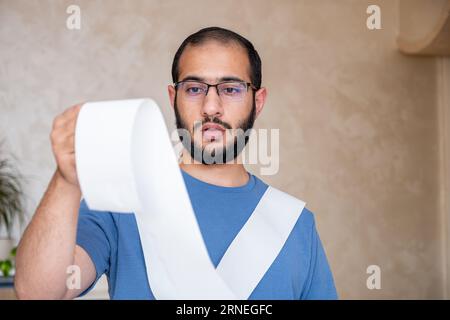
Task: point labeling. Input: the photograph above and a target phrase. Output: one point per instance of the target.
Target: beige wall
(357, 119)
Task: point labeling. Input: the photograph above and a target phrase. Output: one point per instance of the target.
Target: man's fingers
(63, 140)
(70, 126)
(73, 110)
(65, 143)
(67, 116)
(70, 115)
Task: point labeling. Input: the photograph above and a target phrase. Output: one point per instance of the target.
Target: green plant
(7, 265)
(11, 195)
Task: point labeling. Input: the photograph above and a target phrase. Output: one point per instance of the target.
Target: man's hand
(48, 246)
(63, 143)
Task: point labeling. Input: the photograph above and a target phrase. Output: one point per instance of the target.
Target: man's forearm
(48, 244)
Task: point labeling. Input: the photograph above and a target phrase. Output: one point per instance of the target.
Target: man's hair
(224, 36)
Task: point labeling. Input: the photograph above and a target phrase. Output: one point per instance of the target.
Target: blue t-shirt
(300, 271)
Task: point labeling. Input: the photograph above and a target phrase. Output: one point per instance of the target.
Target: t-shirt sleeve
(97, 235)
(320, 283)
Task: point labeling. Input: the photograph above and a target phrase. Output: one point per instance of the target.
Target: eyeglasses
(228, 91)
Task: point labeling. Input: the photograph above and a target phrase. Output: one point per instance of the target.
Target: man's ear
(260, 100)
(171, 91)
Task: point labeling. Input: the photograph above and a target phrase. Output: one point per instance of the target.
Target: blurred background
(363, 112)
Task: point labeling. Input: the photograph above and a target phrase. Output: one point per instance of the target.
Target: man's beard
(225, 154)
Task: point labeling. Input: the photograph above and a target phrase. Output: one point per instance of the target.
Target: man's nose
(212, 105)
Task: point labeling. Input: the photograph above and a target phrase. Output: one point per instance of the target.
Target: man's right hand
(48, 246)
(63, 143)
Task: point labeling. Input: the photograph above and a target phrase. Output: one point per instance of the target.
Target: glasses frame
(247, 85)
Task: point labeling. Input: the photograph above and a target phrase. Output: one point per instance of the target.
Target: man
(217, 89)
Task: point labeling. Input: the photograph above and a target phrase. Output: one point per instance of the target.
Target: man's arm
(320, 281)
(48, 246)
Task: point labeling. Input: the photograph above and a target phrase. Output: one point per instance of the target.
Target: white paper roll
(126, 163)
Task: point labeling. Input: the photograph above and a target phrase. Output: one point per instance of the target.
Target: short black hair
(222, 36)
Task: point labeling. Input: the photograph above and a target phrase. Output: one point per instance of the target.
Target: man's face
(212, 121)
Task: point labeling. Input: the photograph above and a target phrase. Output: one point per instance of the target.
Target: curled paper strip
(126, 163)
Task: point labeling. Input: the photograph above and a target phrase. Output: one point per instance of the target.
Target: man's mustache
(199, 124)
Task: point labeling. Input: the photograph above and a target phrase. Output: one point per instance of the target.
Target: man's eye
(194, 90)
(232, 90)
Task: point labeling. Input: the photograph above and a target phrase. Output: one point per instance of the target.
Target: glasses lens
(192, 89)
(232, 91)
